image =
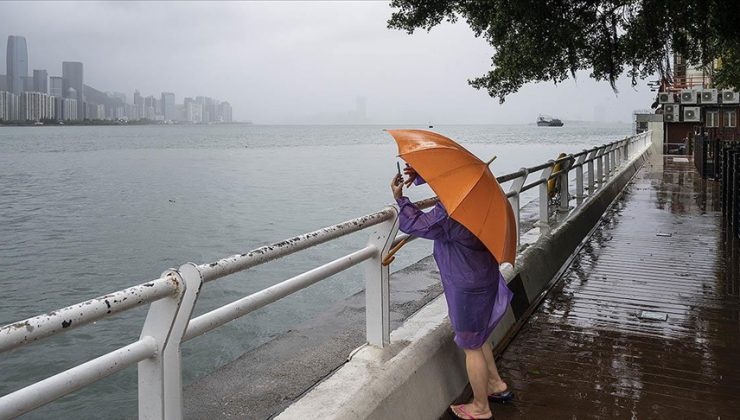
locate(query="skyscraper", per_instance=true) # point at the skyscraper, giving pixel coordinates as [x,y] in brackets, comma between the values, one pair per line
[138,105]
[168,106]
[17,63]
[56,86]
[40,81]
[73,78]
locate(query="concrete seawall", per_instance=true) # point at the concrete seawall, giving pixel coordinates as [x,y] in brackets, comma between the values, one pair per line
[422,371]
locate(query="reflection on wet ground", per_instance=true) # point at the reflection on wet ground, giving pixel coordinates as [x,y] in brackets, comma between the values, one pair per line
[645,322]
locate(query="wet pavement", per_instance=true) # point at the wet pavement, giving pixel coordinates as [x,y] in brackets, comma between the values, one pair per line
[645,322]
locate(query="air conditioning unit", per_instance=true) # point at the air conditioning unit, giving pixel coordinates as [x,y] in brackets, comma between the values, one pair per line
[709,96]
[671,117]
[730,97]
[689,96]
[670,109]
[691,114]
[666,98]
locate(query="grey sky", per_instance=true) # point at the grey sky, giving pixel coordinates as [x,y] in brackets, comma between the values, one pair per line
[285,62]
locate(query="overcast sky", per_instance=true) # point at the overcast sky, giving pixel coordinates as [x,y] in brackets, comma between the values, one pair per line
[303,62]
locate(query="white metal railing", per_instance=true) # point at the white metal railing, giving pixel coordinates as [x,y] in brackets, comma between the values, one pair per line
[172,297]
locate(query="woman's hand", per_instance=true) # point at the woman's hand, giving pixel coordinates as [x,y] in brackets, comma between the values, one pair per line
[397,186]
[411,174]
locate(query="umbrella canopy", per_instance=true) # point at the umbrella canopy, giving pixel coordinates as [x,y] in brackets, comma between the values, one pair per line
[465,186]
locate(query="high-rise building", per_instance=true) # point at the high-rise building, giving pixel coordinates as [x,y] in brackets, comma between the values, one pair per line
[138,106]
[150,108]
[27,84]
[224,111]
[37,106]
[17,63]
[40,81]
[168,106]
[10,105]
[3,85]
[66,109]
[72,74]
[56,86]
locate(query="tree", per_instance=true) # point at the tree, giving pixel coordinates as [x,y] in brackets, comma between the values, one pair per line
[549,40]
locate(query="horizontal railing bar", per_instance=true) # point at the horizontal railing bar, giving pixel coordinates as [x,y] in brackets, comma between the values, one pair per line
[41,326]
[53,387]
[241,307]
[532,185]
[554,175]
[541,166]
[427,202]
[239,262]
[564,159]
[511,176]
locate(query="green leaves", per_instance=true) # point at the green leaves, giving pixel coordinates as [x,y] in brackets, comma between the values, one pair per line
[550,40]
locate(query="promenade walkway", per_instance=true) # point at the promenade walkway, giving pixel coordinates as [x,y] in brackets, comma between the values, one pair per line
[645,323]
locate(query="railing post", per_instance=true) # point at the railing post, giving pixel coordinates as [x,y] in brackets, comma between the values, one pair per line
[516,187]
[600,166]
[627,144]
[607,162]
[579,177]
[564,192]
[377,286]
[591,180]
[544,222]
[615,157]
[627,150]
[160,377]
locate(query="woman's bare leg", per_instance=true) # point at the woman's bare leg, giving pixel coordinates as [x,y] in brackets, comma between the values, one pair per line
[477,367]
[495,383]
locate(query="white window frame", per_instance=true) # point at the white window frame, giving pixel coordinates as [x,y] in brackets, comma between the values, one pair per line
[712,118]
[730,118]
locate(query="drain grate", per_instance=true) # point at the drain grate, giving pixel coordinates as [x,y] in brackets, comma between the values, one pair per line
[653,316]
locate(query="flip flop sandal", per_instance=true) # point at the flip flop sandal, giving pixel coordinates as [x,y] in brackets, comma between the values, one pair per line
[467,415]
[501,397]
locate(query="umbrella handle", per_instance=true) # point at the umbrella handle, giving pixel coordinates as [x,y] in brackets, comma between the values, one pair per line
[389,258]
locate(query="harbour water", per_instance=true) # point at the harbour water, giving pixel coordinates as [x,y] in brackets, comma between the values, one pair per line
[89,210]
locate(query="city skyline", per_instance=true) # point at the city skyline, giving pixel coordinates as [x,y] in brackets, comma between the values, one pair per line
[27,98]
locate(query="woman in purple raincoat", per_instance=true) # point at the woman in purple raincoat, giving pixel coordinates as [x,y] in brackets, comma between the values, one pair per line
[475,290]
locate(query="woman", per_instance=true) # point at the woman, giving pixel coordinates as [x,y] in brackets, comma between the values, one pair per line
[475,290]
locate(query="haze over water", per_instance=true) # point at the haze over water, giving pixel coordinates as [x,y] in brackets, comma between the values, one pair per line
[90,210]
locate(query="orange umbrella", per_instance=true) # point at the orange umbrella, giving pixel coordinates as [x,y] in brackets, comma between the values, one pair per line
[465,186]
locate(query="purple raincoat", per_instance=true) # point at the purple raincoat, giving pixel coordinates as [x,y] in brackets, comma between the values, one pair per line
[476,292]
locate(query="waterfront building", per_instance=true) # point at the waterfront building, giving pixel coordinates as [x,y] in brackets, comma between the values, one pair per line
[224,111]
[17,64]
[138,106]
[3,86]
[94,111]
[40,81]
[56,86]
[36,106]
[150,108]
[73,78]
[692,107]
[193,111]
[168,106]
[9,106]
[66,109]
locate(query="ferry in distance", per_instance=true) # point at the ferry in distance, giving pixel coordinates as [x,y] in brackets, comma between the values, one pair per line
[547,121]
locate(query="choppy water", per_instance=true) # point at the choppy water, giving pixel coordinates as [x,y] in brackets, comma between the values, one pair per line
[89,210]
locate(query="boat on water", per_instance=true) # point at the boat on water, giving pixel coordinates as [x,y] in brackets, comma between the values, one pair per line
[548,121]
